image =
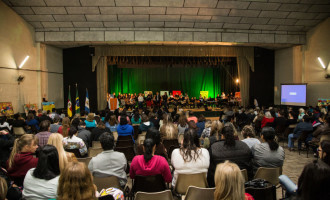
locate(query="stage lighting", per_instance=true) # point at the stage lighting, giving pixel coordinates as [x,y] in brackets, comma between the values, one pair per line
[321,62]
[26,58]
[237,80]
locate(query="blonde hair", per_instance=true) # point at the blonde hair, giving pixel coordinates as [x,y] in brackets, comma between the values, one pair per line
[229,182]
[56,140]
[76,183]
[216,128]
[19,144]
[208,123]
[169,131]
[3,188]
[65,125]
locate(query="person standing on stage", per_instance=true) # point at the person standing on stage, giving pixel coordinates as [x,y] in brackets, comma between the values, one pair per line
[165,97]
[140,100]
[157,98]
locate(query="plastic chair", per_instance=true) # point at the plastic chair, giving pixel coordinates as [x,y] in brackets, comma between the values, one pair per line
[85,160]
[128,151]
[18,131]
[267,193]
[164,195]
[185,180]
[106,182]
[96,144]
[92,152]
[197,193]
[269,174]
[148,184]
[245,175]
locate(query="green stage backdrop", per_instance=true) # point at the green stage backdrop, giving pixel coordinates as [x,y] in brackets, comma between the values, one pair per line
[189,80]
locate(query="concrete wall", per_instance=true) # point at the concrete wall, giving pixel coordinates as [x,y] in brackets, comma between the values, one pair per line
[17,41]
[299,64]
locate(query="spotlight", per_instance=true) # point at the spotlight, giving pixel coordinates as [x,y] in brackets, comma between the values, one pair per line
[26,58]
[321,62]
[237,80]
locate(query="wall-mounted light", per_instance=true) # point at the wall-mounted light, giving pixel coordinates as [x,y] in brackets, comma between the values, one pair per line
[237,80]
[21,65]
[321,62]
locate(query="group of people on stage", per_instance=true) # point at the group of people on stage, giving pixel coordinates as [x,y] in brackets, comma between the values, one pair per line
[131,100]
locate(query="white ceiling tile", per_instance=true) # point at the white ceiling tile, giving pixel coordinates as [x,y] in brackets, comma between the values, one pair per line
[179,24]
[319,8]
[132,2]
[27,2]
[149,10]
[96,18]
[97,2]
[57,24]
[88,24]
[237,26]
[160,18]
[226,19]
[116,10]
[83,10]
[233,4]
[282,21]
[294,7]
[182,11]
[149,24]
[49,10]
[133,18]
[301,15]
[194,18]
[212,11]
[118,24]
[200,3]
[264,27]
[38,18]
[254,20]
[264,6]
[169,3]
[70,18]
[244,13]
[208,25]
[275,14]
[62,2]
[23,10]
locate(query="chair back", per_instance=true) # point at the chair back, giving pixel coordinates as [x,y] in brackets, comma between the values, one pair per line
[96,144]
[125,143]
[149,183]
[245,175]
[267,193]
[164,195]
[126,137]
[92,152]
[128,151]
[304,135]
[197,193]
[185,180]
[76,152]
[269,174]
[85,160]
[115,135]
[18,131]
[169,143]
[106,182]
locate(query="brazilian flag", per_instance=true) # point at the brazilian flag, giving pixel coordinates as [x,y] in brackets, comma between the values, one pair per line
[77,102]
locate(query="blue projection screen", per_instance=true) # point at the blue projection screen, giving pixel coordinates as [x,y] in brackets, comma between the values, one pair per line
[293,95]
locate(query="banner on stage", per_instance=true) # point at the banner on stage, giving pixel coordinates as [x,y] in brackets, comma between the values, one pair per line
[146,93]
[176,92]
[114,104]
[162,93]
[48,106]
[204,94]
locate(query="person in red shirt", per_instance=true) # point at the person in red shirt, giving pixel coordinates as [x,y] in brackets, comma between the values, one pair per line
[21,158]
[268,118]
[150,164]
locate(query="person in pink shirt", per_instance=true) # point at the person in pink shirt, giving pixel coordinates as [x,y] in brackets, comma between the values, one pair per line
[190,116]
[150,164]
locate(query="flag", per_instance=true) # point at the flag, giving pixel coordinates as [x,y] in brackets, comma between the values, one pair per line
[69,105]
[87,102]
[77,102]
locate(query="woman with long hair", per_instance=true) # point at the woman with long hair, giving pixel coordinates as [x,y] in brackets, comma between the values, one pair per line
[229,183]
[64,129]
[182,124]
[41,182]
[3,188]
[76,183]
[268,153]
[73,142]
[215,133]
[150,164]
[190,158]
[168,130]
[249,136]
[112,123]
[32,122]
[21,158]
[64,157]
[324,151]
[136,119]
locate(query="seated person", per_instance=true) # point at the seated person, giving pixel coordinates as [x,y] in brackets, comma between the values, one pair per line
[124,129]
[249,134]
[43,135]
[268,153]
[229,149]
[73,142]
[168,131]
[6,143]
[97,131]
[41,182]
[215,133]
[150,164]
[18,121]
[201,125]
[268,118]
[112,124]
[145,124]
[190,158]
[154,134]
[90,121]
[109,162]
[136,119]
[304,125]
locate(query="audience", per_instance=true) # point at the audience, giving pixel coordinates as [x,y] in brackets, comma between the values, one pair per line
[109,162]
[189,158]
[145,124]
[248,134]
[168,130]
[136,119]
[41,182]
[182,124]
[73,142]
[97,131]
[18,121]
[324,151]
[154,120]
[304,125]
[32,122]
[76,183]
[267,119]
[124,129]
[55,125]
[6,142]
[3,189]
[4,125]
[43,135]
[84,134]
[215,132]
[90,121]
[64,157]
[21,158]
[64,129]
[207,130]
[112,124]
[150,164]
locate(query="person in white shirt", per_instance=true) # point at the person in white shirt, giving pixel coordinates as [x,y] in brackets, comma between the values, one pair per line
[41,182]
[249,134]
[73,142]
[189,158]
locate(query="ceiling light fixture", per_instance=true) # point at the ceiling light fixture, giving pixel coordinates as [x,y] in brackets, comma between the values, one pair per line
[21,65]
[321,62]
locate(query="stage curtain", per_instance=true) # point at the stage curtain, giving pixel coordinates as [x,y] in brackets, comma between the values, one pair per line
[102,82]
[244,77]
[188,79]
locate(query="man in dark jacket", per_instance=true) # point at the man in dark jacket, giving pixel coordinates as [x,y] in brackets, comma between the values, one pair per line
[303,126]
[84,134]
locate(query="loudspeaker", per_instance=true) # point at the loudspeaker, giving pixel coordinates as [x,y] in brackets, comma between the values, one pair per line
[91,51]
